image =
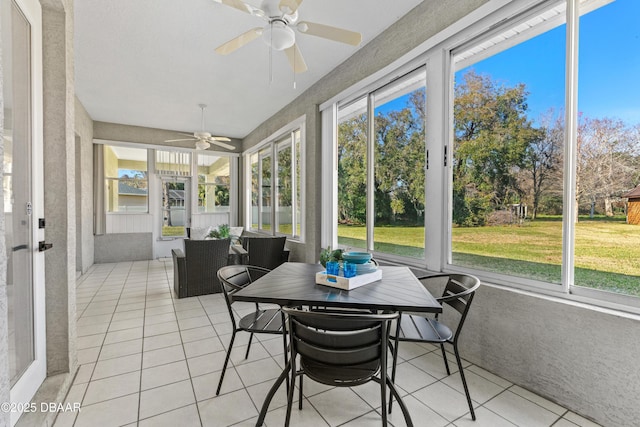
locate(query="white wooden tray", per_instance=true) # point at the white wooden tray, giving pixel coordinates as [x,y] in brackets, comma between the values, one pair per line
[341,282]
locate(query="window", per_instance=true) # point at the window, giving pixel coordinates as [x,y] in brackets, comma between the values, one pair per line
[175,206]
[508,133]
[288,190]
[607,224]
[352,174]
[503,203]
[381,203]
[126,179]
[276,174]
[174,170]
[214,181]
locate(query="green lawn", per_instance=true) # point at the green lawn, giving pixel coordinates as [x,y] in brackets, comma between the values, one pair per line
[606,254]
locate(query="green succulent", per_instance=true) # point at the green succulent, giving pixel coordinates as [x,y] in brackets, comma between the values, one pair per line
[327,255]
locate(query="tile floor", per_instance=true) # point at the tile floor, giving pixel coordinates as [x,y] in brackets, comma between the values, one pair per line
[149,359]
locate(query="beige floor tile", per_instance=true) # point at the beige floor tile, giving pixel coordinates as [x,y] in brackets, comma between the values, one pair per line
[114,412]
[162,356]
[206,363]
[196,334]
[187,416]
[125,348]
[203,346]
[124,335]
[164,374]
[160,329]
[448,402]
[205,386]
[117,366]
[484,418]
[227,409]
[161,341]
[259,371]
[339,405]
[520,411]
[112,387]
[166,398]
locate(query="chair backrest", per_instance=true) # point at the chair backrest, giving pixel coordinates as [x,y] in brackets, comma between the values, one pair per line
[338,342]
[458,293]
[236,277]
[264,252]
[203,258]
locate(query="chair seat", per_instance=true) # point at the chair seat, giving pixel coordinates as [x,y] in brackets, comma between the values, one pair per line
[267,321]
[347,376]
[418,328]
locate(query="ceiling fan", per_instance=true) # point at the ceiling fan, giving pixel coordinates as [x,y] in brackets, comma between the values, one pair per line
[204,139]
[282,18]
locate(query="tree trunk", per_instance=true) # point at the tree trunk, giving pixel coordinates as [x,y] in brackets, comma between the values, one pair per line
[608,206]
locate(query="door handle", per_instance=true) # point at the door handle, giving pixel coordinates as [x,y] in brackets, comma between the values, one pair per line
[42,246]
[19,247]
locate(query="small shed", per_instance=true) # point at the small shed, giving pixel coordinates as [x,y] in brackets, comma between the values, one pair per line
[633,206]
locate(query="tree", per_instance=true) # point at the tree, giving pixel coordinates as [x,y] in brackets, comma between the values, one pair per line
[543,161]
[607,161]
[352,174]
[492,135]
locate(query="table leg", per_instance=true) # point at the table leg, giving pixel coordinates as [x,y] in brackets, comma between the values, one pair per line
[267,400]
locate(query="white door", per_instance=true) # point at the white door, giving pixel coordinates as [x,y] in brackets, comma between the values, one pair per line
[23,197]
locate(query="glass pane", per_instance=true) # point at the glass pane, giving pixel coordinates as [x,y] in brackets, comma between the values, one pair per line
[607,246]
[213,183]
[174,203]
[125,170]
[16,66]
[298,178]
[284,190]
[352,174]
[508,139]
[265,194]
[255,190]
[399,167]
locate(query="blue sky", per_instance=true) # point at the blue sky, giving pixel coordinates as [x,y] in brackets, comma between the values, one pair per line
[609,66]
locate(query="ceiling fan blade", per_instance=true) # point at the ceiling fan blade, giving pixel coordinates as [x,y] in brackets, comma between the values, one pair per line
[180,140]
[239,41]
[295,59]
[289,7]
[221,144]
[237,4]
[220,138]
[332,33]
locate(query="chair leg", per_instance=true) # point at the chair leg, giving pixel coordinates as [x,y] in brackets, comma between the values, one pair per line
[444,356]
[403,407]
[246,356]
[290,394]
[226,361]
[464,382]
[383,398]
[300,393]
[394,347]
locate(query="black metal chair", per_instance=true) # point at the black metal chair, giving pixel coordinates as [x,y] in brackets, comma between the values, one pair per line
[458,294]
[340,349]
[194,270]
[267,321]
[266,252]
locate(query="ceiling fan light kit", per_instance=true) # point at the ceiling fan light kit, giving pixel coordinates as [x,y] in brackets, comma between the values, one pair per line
[279,34]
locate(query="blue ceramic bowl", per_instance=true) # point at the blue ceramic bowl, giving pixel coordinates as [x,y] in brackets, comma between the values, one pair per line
[356,257]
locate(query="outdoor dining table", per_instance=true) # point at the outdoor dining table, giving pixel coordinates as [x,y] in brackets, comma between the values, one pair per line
[293,284]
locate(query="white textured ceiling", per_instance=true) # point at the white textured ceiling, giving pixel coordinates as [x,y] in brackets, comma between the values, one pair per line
[150,62]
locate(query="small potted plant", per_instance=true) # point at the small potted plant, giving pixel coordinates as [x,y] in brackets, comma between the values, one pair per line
[327,255]
[222,232]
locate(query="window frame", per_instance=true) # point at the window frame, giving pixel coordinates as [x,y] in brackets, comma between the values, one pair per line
[269,148]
